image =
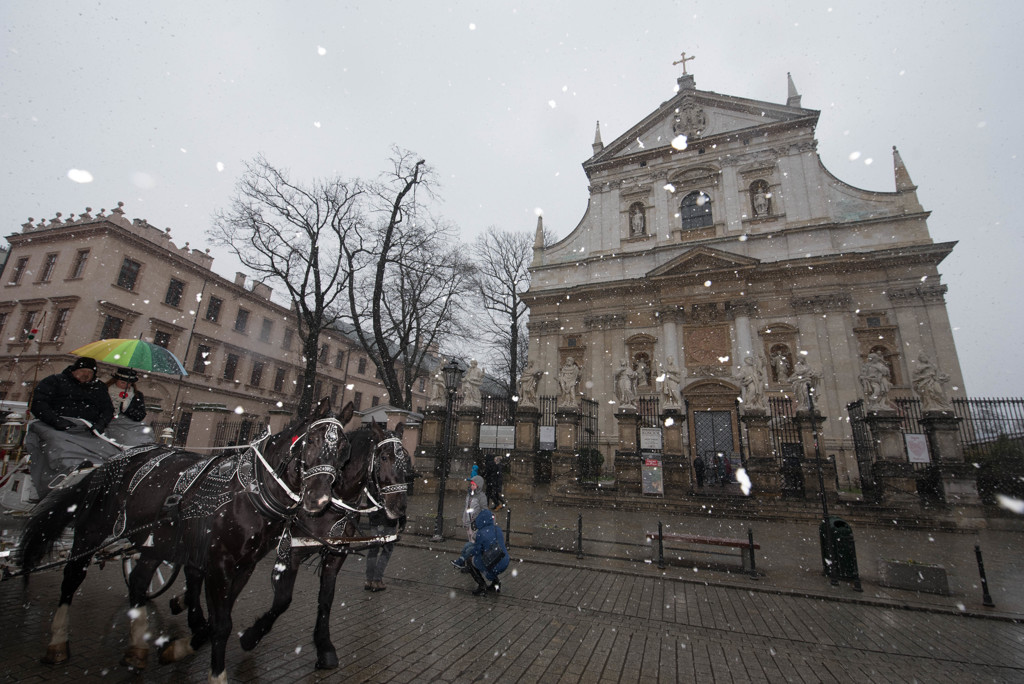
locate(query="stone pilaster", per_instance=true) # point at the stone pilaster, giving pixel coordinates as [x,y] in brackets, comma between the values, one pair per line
[807,425]
[959,479]
[521,468]
[895,477]
[563,459]
[762,461]
[676,469]
[627,456]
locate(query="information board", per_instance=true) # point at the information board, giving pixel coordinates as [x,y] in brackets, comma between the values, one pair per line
[497,436]
[652,479]
[650,439]
[917,448]
[547,437]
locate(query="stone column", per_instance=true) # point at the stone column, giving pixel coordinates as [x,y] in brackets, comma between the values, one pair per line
[807,423]
[762,461]
[627,456]
[959,479]
[675,465]
[563,459]
[894,476]
[520,480]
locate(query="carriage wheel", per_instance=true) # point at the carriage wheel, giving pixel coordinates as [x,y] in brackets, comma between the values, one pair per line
[162,580]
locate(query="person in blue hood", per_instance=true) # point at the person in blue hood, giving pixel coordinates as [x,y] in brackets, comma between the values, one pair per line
[489,557]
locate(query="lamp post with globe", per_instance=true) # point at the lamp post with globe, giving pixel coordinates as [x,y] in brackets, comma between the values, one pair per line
[451,373]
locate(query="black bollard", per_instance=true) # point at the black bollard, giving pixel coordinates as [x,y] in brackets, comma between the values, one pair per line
[579,536]
[986,598]
[508,528]
[661,548]
[750,540]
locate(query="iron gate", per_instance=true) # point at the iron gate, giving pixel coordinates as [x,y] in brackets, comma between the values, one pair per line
[864,448]
[789,448]
[712,435]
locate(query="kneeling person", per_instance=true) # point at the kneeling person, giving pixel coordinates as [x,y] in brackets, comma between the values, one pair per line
[489,557]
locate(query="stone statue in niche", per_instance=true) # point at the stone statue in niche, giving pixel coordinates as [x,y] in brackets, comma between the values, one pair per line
[753,384]
[637,220]
[875,381]
[625,385]
[643,372]
[928,381]
[761,199]
[780,364]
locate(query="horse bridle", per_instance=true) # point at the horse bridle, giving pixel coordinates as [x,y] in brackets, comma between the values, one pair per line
[268,505]
[371,469]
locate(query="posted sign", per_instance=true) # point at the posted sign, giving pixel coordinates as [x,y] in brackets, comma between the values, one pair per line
[651,477]
[547,437]
[917,448]
[650,439]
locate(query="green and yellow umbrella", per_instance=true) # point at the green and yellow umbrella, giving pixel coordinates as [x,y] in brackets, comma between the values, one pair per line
[138,354]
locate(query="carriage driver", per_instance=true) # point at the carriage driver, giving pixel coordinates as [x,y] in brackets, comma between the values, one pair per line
[56,443]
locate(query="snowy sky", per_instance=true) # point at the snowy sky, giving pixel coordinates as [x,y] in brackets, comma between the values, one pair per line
[161,103]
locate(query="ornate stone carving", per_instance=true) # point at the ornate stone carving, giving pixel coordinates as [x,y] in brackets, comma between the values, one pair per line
[542,327]
[604,321]
[932,294]
[690,119]
[837,301]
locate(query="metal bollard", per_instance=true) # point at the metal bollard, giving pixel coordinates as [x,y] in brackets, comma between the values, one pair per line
[579,536]
[986,598]
[750,540]
[661,549]
[508,528]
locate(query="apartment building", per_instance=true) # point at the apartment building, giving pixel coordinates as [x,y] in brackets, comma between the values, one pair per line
[71,281]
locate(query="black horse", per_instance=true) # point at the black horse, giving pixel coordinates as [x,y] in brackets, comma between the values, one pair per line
[219,516]
[332,534]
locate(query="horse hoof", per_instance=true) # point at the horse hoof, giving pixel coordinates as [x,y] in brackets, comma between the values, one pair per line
[248,640]
[175,651]
[136,658]
[57,654]
[327,660]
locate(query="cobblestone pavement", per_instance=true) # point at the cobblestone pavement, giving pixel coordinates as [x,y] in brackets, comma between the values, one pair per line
[553,622]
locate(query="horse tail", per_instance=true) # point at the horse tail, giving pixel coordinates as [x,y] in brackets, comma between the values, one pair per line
[58,509]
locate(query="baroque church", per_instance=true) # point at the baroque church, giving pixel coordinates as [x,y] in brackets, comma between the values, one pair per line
[717,250]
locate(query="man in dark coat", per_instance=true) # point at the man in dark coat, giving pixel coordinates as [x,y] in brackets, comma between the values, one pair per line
[57,445]
[73,393]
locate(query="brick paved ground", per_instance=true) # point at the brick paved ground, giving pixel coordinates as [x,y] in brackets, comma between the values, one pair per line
[552,623]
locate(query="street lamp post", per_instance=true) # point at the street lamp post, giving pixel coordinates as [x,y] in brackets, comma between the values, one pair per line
[451,373]
[830,541]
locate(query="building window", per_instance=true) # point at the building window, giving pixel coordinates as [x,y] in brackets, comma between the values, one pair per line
[334,395]
[201,359]
[129,274]
[357,400]
[48,266]
[257,374]
[695,211]
[289,337]
[323,353]
[423,384]
[60,323]
[339,359]
[79,266]
[3,320]
[230,366]
[175,289]
[242,320]
[374,401]
[111,328]
[318,390]
[19,271]
[760,198]
[29,324]
[362,366]
[162,339]
[213,309]
[268,325]
[279,380]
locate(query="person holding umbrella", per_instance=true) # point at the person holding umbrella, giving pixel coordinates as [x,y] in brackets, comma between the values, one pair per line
[129,410]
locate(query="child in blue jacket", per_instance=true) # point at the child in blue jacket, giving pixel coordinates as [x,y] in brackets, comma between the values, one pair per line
[489,557]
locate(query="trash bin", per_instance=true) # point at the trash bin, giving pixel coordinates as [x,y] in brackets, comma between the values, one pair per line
[843,552]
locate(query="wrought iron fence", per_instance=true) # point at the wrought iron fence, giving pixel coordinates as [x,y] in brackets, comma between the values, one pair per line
[789,448]
[238,432]
[588,455]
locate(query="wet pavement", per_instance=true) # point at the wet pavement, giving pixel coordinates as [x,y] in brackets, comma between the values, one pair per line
[609,616]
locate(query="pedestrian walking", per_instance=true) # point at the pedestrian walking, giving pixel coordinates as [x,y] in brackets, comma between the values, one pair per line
[476,501]
[494,480]
[698,470]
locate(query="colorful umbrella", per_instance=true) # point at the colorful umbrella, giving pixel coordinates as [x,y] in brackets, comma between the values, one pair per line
[138,354]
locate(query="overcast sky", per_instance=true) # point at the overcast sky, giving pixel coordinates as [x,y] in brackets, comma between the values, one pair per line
[161,103]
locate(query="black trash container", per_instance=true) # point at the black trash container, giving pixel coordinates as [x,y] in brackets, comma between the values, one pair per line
[843,552]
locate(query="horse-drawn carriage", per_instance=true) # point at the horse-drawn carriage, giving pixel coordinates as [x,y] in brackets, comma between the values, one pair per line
[215,518]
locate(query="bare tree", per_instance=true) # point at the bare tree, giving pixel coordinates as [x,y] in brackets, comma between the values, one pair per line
[408,278]
[293,235]
[502,260]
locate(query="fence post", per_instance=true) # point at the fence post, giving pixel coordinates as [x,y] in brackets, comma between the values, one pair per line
[986,598]
[750,539]
[661,549]
[508,528]
[579,536]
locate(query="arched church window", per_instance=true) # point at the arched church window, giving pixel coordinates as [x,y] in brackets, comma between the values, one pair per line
[637,219]
[695,211]
[760,198]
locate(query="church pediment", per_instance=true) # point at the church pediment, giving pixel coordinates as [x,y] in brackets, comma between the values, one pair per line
[698,115]
[702,260]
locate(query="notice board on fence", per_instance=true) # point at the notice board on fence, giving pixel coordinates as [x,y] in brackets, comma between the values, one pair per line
[652,479]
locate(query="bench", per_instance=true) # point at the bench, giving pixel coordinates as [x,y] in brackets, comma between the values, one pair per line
[746,546]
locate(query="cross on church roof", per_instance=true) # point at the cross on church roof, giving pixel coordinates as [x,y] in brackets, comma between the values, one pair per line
[683,59]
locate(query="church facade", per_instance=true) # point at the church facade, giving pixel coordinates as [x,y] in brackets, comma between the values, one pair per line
[720,267]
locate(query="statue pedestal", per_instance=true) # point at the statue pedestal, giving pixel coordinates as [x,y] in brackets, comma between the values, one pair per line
[894,476]
[675,467]
[809,424]
[762,462]
[563,459]
[522,465]
[959,479]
